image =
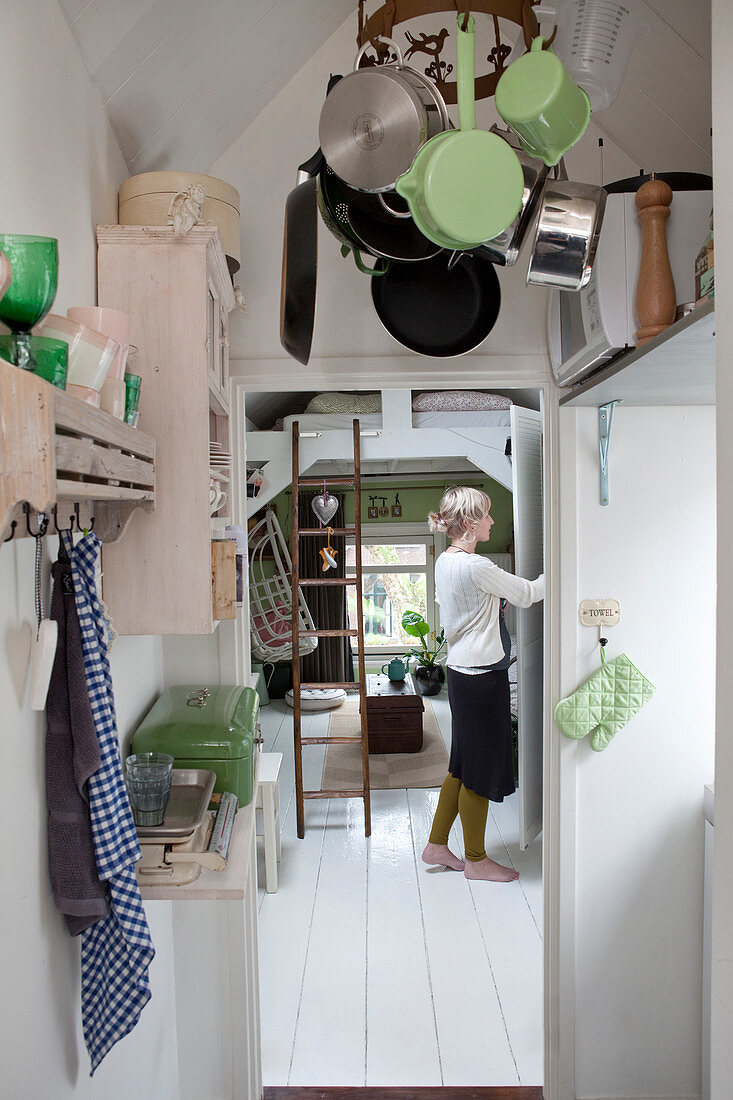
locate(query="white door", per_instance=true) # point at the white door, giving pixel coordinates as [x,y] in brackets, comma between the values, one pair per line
[528,562]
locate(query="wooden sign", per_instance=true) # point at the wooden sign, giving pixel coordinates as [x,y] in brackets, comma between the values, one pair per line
[600,612]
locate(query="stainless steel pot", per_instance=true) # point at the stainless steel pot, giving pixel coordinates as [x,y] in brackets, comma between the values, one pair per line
[504,249]
[374,121]
[566,236]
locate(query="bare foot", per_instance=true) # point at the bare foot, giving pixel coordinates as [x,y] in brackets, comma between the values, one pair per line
[440,855]
[490,871]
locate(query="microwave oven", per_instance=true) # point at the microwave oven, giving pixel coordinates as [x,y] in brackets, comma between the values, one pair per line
[587,328]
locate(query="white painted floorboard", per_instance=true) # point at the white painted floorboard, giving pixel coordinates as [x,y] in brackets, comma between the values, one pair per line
[376,970]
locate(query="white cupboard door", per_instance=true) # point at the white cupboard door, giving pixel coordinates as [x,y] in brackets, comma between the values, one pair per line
[528,559]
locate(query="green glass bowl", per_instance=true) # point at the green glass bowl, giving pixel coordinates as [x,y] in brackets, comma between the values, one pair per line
[40,354]
[35,264]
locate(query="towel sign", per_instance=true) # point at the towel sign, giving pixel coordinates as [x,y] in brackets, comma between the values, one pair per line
[600,612]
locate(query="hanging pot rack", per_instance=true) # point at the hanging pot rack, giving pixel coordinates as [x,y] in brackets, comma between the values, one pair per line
[394,12]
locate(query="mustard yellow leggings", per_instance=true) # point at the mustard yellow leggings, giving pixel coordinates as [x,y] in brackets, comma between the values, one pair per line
[473,808]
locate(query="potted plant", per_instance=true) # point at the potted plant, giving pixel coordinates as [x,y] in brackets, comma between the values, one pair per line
[429,675]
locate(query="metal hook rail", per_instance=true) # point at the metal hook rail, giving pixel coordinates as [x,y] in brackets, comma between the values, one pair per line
[44,522]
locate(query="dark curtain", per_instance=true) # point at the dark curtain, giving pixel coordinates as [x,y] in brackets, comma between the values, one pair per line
[331,660]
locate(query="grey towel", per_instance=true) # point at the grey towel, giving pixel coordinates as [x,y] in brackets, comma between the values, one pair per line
[72,755]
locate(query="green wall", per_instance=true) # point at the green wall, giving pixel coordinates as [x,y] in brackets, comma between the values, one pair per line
[417,499]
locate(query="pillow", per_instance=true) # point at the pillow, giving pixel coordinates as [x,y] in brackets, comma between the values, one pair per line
[458,401]
[318,698]
[345,403]
[273,627]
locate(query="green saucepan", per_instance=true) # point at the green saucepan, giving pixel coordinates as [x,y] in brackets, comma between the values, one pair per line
[465,186]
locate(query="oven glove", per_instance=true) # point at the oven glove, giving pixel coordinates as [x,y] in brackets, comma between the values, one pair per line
[604,703]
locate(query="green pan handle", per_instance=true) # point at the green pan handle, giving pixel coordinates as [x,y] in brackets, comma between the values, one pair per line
[380,268]
[465,74]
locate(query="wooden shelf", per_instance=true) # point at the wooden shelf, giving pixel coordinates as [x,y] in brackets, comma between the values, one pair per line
[56,450]
[229,884]
[675,368]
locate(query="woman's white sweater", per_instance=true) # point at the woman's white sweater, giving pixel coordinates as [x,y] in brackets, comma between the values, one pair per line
[468,588]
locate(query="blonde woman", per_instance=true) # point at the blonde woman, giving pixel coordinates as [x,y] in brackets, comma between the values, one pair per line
[471,591]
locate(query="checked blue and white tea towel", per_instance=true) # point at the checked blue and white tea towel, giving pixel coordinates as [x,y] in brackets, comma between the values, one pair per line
[116,951]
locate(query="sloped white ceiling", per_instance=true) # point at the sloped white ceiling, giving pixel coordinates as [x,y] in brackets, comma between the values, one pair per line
[181,79]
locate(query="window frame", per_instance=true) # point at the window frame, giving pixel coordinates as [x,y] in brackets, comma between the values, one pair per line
[380,534]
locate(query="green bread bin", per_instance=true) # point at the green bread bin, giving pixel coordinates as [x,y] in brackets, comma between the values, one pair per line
[206,727]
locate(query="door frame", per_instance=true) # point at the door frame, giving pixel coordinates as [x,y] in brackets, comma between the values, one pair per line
[558,838]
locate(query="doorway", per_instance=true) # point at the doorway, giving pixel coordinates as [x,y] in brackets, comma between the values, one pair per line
[403,1007]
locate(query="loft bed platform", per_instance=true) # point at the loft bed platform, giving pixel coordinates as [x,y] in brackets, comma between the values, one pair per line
[386,437]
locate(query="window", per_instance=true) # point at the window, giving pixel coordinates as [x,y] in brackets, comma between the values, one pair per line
[397,576]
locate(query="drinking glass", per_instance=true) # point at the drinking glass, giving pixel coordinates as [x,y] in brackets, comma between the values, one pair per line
[148,776]
[48,359]
[35,264]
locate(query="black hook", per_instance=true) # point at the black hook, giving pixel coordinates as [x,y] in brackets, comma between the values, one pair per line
[11,536]
[62,530]
[42,522]
[78,521]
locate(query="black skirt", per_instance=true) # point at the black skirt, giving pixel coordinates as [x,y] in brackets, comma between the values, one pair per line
[481,733]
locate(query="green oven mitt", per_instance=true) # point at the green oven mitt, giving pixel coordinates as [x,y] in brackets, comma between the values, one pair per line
[604,703]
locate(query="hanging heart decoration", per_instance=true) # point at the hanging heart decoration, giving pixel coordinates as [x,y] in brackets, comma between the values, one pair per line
[325,506]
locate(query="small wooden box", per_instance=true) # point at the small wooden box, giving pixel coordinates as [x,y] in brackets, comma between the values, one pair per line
[394,715]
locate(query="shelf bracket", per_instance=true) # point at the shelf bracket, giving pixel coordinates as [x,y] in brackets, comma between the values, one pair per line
[605,420]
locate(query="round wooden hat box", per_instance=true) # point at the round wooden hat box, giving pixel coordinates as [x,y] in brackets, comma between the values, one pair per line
[145,200]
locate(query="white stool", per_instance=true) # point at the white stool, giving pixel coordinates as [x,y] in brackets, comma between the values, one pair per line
[268,800]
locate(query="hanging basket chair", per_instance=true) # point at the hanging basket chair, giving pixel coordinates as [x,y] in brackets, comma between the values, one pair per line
[270,595]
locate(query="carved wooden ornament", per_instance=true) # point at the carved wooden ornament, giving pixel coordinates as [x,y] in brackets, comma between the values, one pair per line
[394,12]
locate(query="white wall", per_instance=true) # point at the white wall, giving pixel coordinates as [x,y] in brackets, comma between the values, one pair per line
[639,803]
[59,176]
[722,945]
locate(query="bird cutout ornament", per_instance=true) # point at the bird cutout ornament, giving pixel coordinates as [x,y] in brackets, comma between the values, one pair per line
[328,553]
[325,506]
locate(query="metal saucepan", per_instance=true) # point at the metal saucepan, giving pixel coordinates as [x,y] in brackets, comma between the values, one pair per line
[437,310]
[463,187]
[566,235]
[505,248]
[375,119]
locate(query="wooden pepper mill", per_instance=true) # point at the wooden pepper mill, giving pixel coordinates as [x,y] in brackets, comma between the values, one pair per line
[656,299]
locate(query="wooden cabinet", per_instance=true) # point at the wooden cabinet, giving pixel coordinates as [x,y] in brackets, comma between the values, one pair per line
[179,294]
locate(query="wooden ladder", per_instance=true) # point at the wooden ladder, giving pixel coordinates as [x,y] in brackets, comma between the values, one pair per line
[298,740]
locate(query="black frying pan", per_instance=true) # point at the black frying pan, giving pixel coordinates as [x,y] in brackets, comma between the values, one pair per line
[438,310]
[300,264]
[300,259]
[678,181]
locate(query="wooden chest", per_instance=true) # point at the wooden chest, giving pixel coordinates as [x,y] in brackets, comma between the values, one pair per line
[394,715]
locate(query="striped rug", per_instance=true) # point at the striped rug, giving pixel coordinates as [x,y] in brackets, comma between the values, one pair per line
[396,771]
